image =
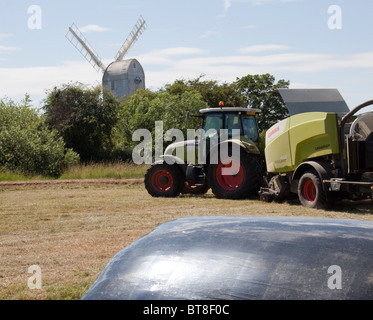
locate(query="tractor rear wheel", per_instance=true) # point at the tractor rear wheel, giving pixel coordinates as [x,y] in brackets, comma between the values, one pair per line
[241,179]
[310,191]
[163,180]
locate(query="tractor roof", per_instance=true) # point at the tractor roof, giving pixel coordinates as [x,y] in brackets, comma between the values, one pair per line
[227,109]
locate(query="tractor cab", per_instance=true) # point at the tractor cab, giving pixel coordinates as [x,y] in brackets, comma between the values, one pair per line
[244,120]
[219,125]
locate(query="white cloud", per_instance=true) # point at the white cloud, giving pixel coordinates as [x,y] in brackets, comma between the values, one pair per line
[165,69]
[261,2]
[167,56]
[4,36]
[35,80]
[250,26]
[262,48]
[4,49]
[167,65]
[93,28]
[209,33]
[227,5]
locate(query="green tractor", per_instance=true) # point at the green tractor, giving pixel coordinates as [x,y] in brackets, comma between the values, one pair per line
[323,152]
[226,157]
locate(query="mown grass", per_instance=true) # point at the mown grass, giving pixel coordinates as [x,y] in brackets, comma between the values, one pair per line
[72,230]
[116,170]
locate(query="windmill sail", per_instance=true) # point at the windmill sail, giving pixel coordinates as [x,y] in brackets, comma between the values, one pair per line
[80,42]
[136,32]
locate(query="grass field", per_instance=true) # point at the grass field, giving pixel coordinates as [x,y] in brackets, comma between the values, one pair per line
[72,228]
[116,170]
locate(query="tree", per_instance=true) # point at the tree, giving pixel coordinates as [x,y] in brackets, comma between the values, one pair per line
[84,118]
[26,144]
[261,92]
[211,91]
[142,109]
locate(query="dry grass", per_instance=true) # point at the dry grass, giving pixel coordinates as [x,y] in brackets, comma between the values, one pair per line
[72,229]
[116,170]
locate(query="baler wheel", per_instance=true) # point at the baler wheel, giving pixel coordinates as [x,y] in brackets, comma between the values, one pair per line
[310,191]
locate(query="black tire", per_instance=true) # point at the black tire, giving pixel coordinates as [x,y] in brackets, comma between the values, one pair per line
[310,191]
[245,183]
[163,180]
[192,189]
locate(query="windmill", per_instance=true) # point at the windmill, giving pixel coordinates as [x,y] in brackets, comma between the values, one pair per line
[122,77]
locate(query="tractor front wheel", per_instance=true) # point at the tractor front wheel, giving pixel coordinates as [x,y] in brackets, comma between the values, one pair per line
[163,180]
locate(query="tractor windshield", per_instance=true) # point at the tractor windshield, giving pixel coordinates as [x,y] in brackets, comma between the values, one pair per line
[213,123]
[247,125]
[250,128]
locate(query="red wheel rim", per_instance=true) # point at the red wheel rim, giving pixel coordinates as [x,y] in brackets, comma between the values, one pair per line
[162,180]
[232,180]
[309,191]
[190,185]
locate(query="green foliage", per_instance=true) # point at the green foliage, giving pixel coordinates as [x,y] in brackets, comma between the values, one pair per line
[93,124]
[261,92]
[211,91]
[170,104]
[84,118]
[27,146]
[144,108]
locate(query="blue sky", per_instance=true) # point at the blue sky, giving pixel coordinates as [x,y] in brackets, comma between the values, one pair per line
[223,39]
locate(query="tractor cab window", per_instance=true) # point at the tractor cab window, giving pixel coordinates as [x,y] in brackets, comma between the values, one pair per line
[250,128]
[213,123]
[232,122]
[247,125]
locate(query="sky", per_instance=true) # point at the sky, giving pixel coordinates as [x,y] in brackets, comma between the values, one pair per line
[311,43]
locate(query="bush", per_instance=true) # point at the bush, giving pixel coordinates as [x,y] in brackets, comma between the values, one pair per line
[84,118]
[27,146]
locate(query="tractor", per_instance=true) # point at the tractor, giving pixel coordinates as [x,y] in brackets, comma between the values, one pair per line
[323,152]
[195,166]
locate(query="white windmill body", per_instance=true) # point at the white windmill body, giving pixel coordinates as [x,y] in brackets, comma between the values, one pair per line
[122,77]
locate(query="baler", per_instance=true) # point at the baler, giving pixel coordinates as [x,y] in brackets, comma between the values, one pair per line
[321,156]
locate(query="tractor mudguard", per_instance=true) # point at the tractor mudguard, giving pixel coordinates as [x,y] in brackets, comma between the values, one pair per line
[172,160]
[243,147]
[323,169]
